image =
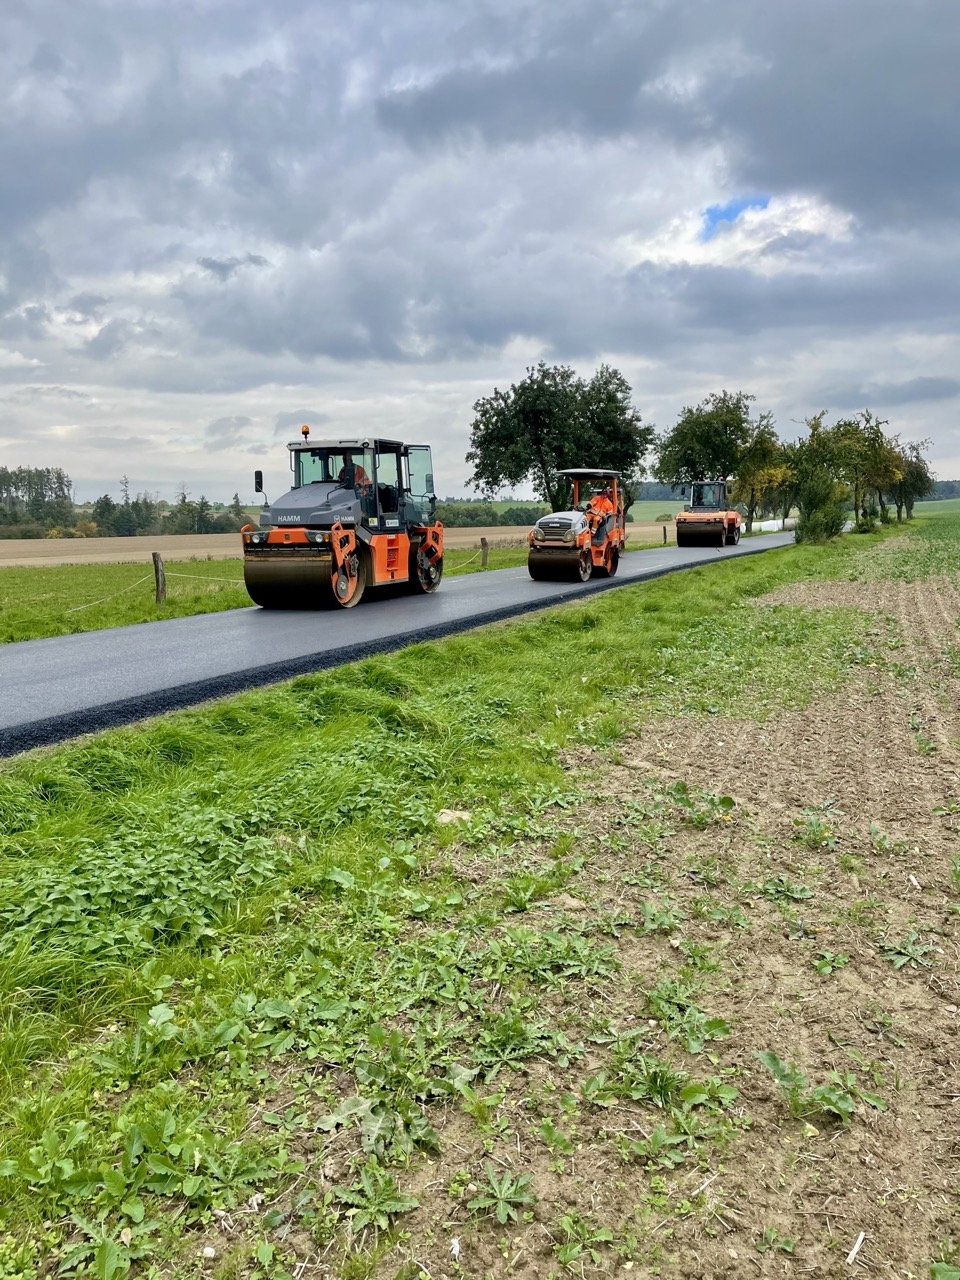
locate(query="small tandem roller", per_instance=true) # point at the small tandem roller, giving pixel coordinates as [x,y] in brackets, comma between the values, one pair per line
[586,541]
[708,521]
[361,514]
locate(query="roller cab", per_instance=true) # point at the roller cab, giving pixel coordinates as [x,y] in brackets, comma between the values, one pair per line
[588,540]
[708,519]
[361,514]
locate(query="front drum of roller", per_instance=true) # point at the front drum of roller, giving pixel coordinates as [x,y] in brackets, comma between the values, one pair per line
[304,583]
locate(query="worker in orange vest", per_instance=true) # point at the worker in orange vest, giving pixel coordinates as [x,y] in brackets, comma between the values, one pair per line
[352,474]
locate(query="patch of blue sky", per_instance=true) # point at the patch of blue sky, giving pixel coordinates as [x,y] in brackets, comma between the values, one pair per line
[716,214]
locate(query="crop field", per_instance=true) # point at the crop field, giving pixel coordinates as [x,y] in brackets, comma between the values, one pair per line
[618,941]
[938,507]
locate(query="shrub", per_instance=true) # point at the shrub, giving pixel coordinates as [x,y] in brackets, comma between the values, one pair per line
[822,513]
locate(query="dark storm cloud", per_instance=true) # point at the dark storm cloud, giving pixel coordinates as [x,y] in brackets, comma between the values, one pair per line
[30,321]
[109,340]
[286,422]
[226,433]
[223,426]
[858,103]
[224,268]
[87,306]
[913,391]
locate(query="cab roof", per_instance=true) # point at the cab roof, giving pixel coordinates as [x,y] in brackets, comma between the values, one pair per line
[589,473]
[341,445]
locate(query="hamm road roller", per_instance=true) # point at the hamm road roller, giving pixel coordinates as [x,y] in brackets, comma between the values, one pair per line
[707,520]
[361,514]
[586,541]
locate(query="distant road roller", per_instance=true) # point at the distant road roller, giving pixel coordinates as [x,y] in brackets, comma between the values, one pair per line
[586,541]
[361,514]
[708,520]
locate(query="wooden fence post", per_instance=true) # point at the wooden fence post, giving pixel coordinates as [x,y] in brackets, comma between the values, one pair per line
[160,576]
[664,535]
[484,552]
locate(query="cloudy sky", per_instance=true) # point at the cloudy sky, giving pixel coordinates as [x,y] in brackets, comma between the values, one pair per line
[221,218]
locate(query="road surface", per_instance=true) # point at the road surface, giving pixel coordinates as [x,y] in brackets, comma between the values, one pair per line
[54,689]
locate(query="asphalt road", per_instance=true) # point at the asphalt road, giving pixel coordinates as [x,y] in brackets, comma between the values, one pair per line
[54,689]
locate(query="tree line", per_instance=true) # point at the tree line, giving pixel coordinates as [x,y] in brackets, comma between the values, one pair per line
[38,502]
[554,419]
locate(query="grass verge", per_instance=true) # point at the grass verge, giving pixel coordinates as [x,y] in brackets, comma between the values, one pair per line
[61,600]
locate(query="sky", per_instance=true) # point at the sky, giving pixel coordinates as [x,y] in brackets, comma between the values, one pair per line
[220,219]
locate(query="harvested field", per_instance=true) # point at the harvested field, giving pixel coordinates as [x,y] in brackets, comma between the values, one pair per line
[638,962]
[226,546]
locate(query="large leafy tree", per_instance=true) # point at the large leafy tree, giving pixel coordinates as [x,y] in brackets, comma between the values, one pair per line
[551,420]
[708,441]
[761,467]
[916,479]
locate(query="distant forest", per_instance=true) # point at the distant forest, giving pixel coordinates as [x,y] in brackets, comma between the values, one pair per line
[37,502]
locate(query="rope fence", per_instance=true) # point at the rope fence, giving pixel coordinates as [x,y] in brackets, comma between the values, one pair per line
[104,600]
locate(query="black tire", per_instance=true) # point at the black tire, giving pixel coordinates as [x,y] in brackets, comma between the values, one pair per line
[609,568]
[733,538]
[424,576]
[340,583]
[583,567]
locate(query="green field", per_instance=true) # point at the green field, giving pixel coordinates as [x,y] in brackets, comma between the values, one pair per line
[940,507]
[59,600]
[457,945]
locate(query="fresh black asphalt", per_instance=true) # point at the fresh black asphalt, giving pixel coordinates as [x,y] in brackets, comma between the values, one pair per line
[54,689]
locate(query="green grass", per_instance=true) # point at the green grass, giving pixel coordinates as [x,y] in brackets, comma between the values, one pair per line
[933,550]
[936,507]
[63,599]
[649,508]
[237,934]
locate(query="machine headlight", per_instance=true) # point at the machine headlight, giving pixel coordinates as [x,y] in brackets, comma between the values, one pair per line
[569,536]
[538,534]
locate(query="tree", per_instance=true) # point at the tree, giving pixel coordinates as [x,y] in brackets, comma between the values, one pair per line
[104,513]
[760,468]
[553,420]
[916,479]
[822,502]
[204,515]
[528,513]
[708,441]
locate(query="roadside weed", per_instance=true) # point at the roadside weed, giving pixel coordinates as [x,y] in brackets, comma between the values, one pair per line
[909,951]
[582,1239]
[373,1200]
[501,1195]
[827,962]
[838,1098]
[672,1003]
[771,1241]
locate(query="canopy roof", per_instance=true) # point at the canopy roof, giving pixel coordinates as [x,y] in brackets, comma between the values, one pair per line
[308,442]
[589,473]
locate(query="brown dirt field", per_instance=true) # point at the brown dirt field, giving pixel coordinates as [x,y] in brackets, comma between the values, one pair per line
[226,546]
[841,844]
